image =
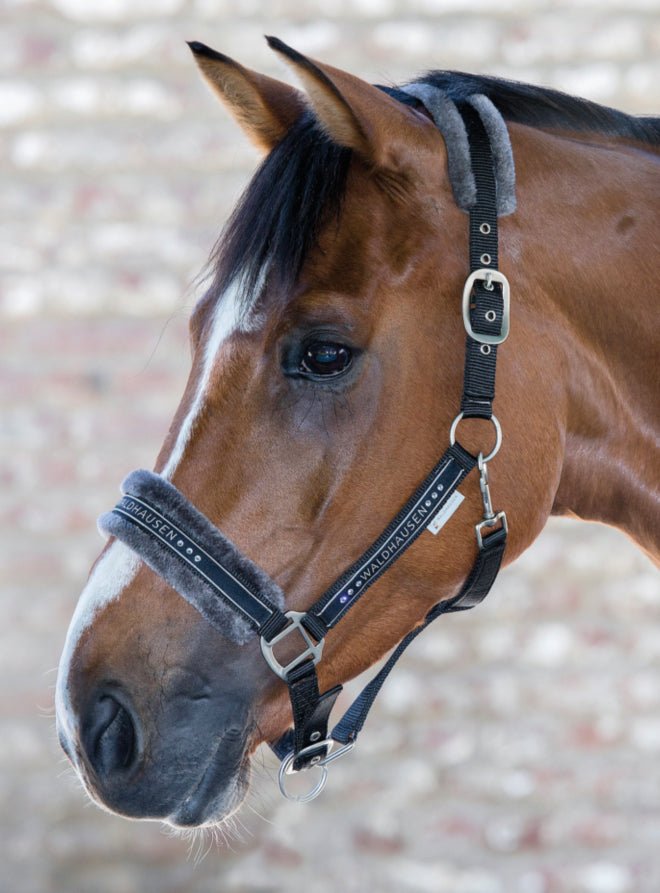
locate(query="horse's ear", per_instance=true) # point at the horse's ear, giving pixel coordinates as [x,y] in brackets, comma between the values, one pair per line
[264,108]
[356,114]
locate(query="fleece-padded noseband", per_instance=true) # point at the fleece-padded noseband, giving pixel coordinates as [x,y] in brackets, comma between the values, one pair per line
[152,514]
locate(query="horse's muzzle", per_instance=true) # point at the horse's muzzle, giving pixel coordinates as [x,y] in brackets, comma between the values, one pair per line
[184,762]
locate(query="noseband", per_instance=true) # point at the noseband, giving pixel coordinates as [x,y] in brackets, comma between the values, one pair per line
[188,551]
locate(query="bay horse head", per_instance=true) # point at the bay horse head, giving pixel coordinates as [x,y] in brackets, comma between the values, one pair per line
[327,368]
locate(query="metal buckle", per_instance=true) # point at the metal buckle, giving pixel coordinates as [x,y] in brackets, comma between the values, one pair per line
[490,522]
[498,435]
[313,650]
[322,763]
[488,277]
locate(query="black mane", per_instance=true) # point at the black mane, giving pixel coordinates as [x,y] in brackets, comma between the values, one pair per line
[301,183]
[545,108]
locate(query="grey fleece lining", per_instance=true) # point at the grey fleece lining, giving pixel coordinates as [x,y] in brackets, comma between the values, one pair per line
[167,499]
[449,122]
[500,143]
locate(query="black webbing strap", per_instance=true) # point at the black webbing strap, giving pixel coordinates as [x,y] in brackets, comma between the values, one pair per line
[311,713]
[480,360]
[474,591]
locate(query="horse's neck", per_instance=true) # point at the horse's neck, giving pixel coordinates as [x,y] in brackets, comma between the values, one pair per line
[595,204]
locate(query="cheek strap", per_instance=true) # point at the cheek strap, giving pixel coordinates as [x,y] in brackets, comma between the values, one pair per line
[181,545]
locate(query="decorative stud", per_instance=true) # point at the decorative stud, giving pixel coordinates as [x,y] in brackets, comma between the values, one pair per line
[180,543]
[198,558]
[189,551]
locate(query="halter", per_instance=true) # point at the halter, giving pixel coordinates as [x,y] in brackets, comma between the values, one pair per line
[160,524]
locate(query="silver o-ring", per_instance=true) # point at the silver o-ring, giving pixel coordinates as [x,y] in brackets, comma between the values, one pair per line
[486,259]
[498,435]
[485,229]
[286,769]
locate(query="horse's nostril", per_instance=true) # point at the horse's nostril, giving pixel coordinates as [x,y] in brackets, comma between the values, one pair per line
[110,737]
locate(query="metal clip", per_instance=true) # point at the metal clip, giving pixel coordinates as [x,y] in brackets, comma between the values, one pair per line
[322,763]
[491,518]
[489,514]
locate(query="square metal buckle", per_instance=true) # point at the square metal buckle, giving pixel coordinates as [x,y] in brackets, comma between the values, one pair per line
[497,520]
[312,649]
[487,276]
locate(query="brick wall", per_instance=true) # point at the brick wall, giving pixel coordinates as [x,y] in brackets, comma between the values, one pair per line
[118,169]
[534,766]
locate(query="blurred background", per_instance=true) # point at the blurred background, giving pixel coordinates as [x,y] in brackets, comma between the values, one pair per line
[531,762]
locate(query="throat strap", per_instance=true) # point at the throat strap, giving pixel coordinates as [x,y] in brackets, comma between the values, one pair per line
[474,591]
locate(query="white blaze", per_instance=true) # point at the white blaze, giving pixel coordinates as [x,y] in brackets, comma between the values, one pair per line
[226,319]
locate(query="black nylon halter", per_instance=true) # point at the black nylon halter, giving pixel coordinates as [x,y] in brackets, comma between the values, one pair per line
[485,313]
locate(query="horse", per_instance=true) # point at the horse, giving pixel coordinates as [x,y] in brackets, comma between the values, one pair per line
[328,359]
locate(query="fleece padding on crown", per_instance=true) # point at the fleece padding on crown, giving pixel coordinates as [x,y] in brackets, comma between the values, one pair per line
[449,122]
[500,144]
[165,498]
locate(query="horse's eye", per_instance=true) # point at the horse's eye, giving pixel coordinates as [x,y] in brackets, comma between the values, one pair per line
[325,358]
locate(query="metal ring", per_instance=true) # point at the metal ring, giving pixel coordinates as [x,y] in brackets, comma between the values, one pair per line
[286,769]
[312,650]
[485,229]
[485,259]
[498,435]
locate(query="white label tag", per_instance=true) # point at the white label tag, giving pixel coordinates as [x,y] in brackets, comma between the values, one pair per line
[445,512]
